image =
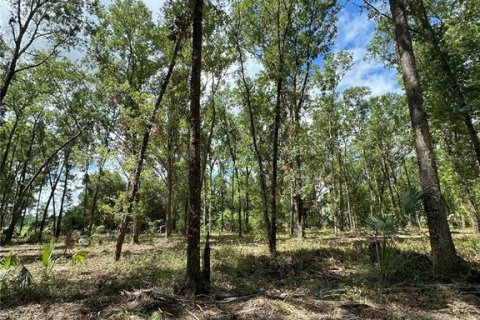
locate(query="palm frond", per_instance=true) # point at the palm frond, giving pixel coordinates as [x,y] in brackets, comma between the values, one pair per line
[411,200]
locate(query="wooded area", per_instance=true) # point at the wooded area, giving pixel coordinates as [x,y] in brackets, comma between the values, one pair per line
[207,161]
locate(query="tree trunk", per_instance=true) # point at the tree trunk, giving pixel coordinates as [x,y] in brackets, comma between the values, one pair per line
[211,195]
[38,207]
[444,256]
[194,282]
[24,212]
[45,211]
[168,215]
[451,78]
[86,179]
[247,200]
[133,196]
[258,155]
[64,194]
[93,207]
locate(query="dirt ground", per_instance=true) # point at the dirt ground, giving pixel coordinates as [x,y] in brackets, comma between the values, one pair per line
[322,277]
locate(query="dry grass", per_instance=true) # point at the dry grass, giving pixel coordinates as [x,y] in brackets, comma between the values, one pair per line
[321,277]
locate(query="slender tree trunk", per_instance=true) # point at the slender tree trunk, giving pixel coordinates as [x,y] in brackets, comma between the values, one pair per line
[451,77]
[93,207]
[64,194]
[54,208]
[194,282]
[222,196]
[298,182]
[211,195]
[239,212]
[272,241]
[133,196]
[24,212]
[258,155]
[168,215]
[205,195]
[292,210]
[247,200]
[47,205]
[444,256]
[38,207]
[86,180]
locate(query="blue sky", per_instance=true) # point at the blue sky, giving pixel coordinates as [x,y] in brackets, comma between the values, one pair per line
[355,31]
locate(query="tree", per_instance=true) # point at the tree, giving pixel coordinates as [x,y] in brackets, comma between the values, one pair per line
[55,22]
[194,282]
[444,256]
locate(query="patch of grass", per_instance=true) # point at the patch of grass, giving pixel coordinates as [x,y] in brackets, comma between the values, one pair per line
[321,267]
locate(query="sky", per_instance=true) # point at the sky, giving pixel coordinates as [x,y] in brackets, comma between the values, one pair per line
[355,31]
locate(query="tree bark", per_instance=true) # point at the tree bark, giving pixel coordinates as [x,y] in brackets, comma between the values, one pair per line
[64,194]
[194,282]
[247,199]
[444,256]
[168,214]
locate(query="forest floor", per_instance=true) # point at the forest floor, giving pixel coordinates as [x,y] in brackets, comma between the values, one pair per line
[322,277]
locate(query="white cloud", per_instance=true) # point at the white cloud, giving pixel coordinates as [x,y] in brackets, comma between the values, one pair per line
[154,5]
[355,31]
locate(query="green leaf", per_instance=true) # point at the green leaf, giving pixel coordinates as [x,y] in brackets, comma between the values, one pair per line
[79,256]
[9,261]
[47,254]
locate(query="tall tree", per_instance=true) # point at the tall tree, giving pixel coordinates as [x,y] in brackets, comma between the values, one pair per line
[444,256]
[194,282]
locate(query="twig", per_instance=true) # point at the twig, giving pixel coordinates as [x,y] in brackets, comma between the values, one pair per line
[193,315]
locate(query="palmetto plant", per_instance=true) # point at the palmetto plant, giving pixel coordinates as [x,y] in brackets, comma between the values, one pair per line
[79,256]
[384,226]
[383,246]
[411,200]
[7,266]
[9,261]
[24,277]
[47,257]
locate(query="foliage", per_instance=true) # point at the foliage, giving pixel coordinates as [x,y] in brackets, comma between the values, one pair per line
[24,277]
[411,200]
[9,261]
[9,266]
[383,245]
[47,258]
[79,257]
[383,226]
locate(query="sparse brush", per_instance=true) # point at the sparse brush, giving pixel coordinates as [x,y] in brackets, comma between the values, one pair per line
[47,258]
[7,267]
[79,257]
[24,277]
[8,262]
[383,249]
[70,241]
[382,225]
